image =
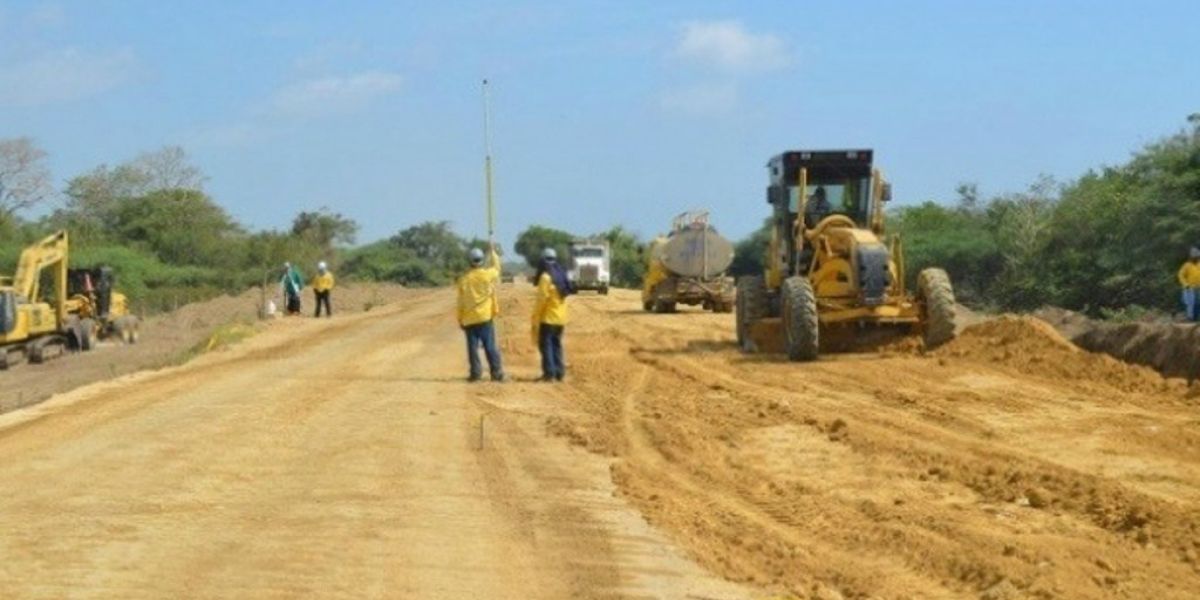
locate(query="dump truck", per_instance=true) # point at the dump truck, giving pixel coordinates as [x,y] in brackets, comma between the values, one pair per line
[71,313]
[688,266]
[833,277]
[589,264]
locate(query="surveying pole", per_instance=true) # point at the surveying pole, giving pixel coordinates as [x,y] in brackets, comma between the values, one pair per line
[487,167]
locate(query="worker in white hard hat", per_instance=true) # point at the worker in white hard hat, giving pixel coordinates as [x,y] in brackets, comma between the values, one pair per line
[477,310]
[322,285]
[550,315]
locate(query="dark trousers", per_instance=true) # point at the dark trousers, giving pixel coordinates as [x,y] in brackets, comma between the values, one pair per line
[551,346]
[323,299]
[483,334]
[293,303]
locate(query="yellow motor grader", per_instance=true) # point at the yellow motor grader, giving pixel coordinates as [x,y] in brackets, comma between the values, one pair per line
[831,281]
[47,308]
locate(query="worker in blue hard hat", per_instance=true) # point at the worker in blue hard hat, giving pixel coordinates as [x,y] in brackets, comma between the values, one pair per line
[477,310]
[550,315]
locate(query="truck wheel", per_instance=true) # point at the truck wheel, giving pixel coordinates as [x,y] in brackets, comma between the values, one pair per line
[604,291]
[937,307]
[663,306]
[800,323]
[648,306]
[751,304]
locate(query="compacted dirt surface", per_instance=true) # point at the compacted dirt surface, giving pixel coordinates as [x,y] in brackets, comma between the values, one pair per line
[348,458]
[166,339]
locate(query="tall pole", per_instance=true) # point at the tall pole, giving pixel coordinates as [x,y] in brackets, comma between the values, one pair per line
[487,166]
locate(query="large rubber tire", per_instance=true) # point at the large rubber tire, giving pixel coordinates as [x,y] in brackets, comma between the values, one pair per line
[751,306]
[648,306]
[937,301]
[801,327]
[87,334]
[604,291]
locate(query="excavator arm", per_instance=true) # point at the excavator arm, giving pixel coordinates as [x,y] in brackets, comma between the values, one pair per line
[49,253]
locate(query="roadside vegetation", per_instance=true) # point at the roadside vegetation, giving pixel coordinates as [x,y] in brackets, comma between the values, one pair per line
[1108,243]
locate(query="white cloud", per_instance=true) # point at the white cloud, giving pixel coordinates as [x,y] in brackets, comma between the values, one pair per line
[64,75]
[727,45]
[334,95]
[700,99]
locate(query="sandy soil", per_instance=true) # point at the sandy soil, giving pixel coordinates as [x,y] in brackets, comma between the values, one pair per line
[165,340]
[344,459]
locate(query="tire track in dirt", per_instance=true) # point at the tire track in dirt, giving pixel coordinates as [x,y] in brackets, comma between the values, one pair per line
[922,462]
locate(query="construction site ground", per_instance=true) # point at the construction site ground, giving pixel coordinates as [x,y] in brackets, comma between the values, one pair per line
[348,458]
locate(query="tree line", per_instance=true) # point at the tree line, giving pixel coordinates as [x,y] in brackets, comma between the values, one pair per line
[1107,242]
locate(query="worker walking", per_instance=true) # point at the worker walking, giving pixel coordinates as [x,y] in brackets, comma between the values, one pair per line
[1189,279]
[291,283]
[323,284]
[550,315]
[477,310]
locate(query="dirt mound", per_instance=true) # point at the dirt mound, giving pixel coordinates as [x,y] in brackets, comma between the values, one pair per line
[1034,347]
[1172,349]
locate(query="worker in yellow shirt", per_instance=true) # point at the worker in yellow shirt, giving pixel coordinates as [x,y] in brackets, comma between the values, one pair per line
[477,310]
[1189,279]
[550,315]
[322,284]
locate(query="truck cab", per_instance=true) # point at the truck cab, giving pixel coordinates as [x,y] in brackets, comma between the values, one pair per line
[589,265]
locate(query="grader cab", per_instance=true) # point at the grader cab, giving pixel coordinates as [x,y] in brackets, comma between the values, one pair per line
[831,280]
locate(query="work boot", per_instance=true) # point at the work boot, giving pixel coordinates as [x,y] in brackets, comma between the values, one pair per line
[473,378]
[499,378]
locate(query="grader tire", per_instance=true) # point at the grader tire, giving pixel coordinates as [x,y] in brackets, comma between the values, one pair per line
[800,323]
[751,305]
[937,298]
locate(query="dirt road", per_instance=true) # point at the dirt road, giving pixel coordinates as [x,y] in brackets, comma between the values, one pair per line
[335,459]
[344,459]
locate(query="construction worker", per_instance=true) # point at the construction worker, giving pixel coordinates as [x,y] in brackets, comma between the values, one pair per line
[550,315]
[817,208]
[291,283]
[1189,279]
[322,284]
[477,309]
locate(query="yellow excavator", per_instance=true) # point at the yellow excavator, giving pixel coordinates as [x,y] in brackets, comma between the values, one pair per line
[47,308]
[831,281]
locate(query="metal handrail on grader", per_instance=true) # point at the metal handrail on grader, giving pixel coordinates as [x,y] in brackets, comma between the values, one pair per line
[830,280]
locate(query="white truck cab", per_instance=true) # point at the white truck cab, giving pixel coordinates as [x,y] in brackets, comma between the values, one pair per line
[590,265]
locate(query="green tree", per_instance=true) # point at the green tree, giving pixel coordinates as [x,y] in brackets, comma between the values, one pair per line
[324,229]
[750,253]
[536,238]
[626,263]
[183,227]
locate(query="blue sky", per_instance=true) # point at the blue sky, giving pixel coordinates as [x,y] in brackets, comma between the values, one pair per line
[603,112]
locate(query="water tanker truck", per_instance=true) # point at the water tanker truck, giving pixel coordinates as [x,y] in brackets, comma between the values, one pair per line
[688,266]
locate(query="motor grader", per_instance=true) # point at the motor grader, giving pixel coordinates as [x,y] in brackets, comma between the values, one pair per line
[832,279]
[82,306]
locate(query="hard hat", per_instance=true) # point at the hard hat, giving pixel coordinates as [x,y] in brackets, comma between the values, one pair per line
[476,256]
[549,254]
[321,266]
[287,265]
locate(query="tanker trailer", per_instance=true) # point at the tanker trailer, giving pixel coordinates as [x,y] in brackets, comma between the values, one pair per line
[688,266]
